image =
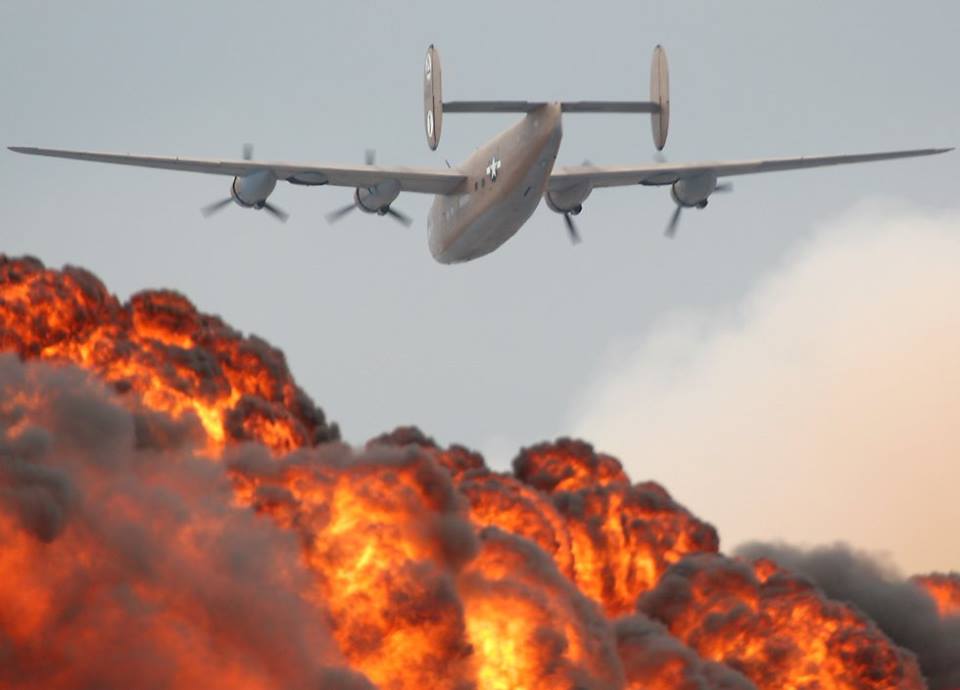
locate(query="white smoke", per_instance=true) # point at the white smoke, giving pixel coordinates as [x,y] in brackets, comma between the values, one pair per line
[823,406]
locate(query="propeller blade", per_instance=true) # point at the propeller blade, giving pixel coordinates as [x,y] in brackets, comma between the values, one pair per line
[724,187]
[674,219]
[401,217]
[659,157]
[369,156]
[571,228]
[210,209]
[248,152]
[334,216]
[277,213]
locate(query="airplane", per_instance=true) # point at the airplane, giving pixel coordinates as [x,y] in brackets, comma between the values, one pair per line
[482,203]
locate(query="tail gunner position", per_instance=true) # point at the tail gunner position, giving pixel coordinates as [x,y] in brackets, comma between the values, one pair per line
[482,203]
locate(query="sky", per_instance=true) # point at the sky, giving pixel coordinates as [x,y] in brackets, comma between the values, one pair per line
[527,343]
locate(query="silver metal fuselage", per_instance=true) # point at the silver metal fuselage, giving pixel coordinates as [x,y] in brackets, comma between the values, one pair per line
[506,179]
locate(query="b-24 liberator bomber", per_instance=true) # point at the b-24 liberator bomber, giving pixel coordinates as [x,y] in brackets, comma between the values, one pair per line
[484,201]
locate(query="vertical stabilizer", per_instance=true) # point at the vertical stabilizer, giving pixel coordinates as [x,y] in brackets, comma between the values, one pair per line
[432,97]
[660,94]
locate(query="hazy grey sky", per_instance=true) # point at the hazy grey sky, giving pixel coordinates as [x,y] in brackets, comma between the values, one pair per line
[497,352]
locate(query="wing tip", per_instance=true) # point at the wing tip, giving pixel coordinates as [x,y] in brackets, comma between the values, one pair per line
[935,151]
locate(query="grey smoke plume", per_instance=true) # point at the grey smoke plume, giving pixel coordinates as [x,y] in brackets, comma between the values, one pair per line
[900,608]
[125,562]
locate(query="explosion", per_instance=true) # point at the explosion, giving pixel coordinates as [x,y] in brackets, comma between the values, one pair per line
[172,358]
[176,513]
[945,590]
[774,627]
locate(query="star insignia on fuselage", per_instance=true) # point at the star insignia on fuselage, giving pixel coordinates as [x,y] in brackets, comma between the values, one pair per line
[494,168]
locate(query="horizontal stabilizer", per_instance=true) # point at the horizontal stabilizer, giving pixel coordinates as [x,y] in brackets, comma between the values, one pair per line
[490,106]
[609,107]
[565,106]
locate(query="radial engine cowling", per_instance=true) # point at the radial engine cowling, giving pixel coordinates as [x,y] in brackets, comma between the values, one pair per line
[694,191]
[569,200]
[377,199]
[251,191]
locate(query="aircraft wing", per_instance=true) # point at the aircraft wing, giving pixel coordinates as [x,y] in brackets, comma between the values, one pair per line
[668,173]
[427,181]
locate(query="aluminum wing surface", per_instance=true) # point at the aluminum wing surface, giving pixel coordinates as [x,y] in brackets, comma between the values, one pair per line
[425,181]
[668,173]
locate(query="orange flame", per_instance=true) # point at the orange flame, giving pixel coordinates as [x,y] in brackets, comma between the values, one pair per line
[175,359]
[944,588]
[623,537]
[418,566]
[776,628]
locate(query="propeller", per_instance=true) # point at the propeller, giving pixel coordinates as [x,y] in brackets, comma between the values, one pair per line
[369,158]
[399,216]
[571,227]
[221,204]
[572,231]
[276,212]
[671,229]
[339,213]
[210,209]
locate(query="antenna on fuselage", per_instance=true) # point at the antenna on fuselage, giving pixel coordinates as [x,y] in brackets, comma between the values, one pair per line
[658,106]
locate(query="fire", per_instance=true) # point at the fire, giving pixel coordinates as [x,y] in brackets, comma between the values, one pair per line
[623,536]
[379,532]
[124,564]
[173,358]
[944,588]
[776,628]
[129,559]
[612,538]
[529,625]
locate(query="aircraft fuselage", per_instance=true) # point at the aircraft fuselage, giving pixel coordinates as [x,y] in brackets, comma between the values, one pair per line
[506,179]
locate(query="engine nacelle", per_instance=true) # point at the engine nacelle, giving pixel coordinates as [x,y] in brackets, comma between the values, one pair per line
[251,191]
[693,192]
[569,200]
[377,199]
